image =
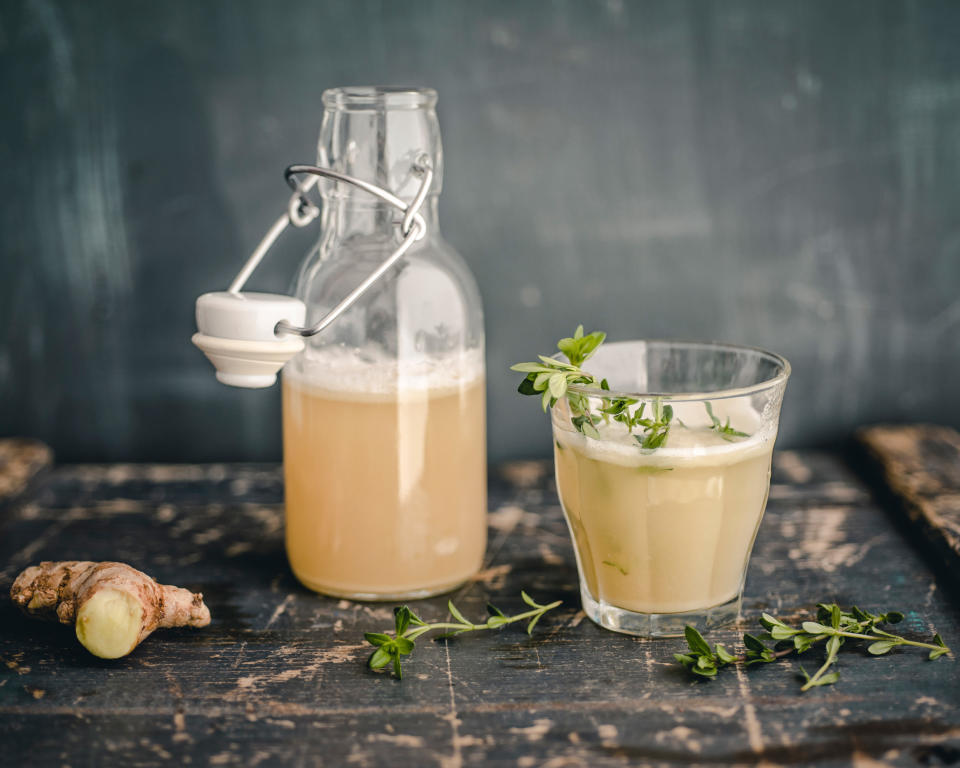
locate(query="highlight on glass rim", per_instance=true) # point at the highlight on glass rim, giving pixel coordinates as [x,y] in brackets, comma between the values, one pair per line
[493,384]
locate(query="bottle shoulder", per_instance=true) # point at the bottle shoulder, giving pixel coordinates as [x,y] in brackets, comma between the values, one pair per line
[429,300]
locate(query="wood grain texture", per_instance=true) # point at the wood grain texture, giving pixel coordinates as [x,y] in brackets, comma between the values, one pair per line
[920,465]
[279,676]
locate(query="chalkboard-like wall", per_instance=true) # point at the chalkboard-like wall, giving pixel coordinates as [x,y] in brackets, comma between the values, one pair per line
[783,174]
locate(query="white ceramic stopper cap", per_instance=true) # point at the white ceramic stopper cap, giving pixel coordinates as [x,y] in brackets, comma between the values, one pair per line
[236,333]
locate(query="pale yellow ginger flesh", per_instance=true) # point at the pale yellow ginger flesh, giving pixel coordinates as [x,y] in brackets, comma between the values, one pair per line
[114,606]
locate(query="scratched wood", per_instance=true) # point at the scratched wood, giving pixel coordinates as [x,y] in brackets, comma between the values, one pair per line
[920,466]
[279,677]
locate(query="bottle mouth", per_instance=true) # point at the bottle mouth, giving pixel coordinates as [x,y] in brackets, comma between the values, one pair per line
[363,98]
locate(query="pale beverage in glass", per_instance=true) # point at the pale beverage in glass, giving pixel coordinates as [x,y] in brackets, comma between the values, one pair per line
[663,517]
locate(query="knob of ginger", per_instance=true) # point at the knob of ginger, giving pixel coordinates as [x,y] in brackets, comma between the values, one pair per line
[113,605]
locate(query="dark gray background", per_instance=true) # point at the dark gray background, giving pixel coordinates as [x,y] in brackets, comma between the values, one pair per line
[785,174]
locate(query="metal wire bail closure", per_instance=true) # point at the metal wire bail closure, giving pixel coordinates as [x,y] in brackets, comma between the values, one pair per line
[301,211]
[249,337]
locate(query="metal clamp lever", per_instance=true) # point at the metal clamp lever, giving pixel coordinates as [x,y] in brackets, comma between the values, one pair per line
[300,212]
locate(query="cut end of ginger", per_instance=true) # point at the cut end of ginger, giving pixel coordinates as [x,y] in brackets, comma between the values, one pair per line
[109,623]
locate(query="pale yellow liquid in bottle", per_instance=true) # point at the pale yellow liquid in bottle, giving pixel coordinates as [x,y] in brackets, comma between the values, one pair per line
[665,532]
[386,493]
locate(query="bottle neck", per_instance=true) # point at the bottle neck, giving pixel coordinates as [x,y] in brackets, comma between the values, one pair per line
[349,217]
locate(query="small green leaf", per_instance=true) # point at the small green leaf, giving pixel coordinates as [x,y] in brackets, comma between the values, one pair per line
[937,653]
[569,347]
[781,632]
[533,623]
[546,400]
[802,642]
[590,344]
[769,621]
[591,431]
[835,615]
[404,645]
[828,679]
[815,628]
[704,671]
[752,643]
[620,568]
[377,638]
[378,659]
[725,656]
[416,620]
[881,647]
[497,621]
[893,617]
[557,365]
[833,644]
[695,640]
[529,368]
[493,610]
[542,380]
[526,387]
[402,619]
[456,613]
[709,407]
[529,600]
[558,385]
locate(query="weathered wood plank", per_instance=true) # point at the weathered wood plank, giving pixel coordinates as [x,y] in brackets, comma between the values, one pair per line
[920,465]
[279,677]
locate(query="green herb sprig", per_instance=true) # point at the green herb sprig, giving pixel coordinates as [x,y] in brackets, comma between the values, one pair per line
[657,428]
[409,626]
[724,430]
[550,379]
[834,627]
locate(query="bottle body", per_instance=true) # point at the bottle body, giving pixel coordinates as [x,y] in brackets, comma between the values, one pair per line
[383,412]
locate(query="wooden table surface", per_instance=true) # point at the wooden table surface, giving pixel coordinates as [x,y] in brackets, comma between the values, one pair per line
[279,677]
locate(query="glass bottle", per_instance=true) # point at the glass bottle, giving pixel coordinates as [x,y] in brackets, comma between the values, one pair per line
[384,434]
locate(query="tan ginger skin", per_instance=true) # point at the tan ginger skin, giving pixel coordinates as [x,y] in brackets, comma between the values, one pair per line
[114,606]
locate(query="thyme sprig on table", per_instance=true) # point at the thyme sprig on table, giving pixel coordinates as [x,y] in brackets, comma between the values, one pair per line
[409,626]
[833,627]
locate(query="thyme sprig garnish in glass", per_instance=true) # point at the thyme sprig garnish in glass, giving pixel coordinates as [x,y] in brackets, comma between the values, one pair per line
[724,430]
[408,627]
[833,627]
[550,379]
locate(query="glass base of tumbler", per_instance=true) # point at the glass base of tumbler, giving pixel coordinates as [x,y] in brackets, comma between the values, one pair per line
[658,624]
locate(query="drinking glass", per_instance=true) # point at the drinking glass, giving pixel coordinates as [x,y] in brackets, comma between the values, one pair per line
[664,511]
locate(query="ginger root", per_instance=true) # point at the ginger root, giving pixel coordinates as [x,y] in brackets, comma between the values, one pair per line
[114,606]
